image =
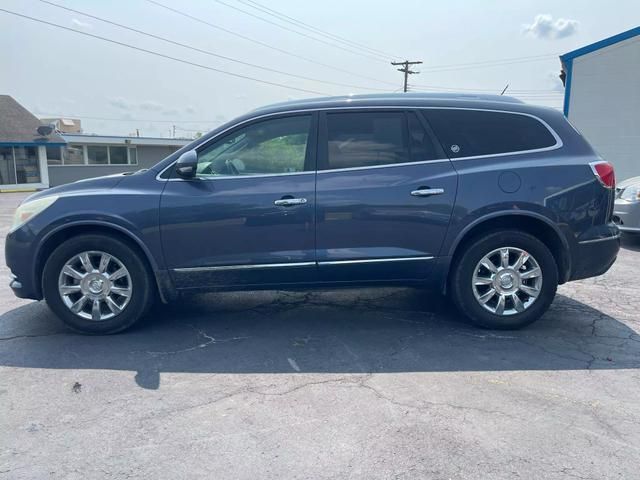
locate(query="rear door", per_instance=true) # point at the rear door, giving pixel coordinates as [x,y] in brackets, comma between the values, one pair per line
[384,196]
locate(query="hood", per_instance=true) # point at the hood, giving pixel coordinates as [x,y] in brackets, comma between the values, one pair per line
[98,183]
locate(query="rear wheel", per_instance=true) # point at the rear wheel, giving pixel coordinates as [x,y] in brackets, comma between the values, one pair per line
[97,284]
[504,280]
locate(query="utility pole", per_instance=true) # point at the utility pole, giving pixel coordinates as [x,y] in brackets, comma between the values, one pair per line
[174,131]
[405,70]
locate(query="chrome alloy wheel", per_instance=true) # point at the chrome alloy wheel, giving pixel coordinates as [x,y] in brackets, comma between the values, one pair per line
[507,281]
[95,285]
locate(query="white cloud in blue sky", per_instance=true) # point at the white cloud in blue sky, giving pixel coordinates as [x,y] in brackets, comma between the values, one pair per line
[544,26]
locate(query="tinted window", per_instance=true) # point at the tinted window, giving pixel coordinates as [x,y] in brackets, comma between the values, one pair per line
[267,147]
[366,139]
[466,133]
[420,143]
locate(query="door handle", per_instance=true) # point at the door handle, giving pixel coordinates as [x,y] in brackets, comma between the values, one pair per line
[288,202]
[427,192]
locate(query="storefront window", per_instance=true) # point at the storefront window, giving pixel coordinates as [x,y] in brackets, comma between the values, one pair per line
[73,155]
[97,155]
[54,155]
[27,167]
[118,155]
[7,166]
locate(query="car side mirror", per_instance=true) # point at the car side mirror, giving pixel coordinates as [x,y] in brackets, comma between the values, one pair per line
[187,164]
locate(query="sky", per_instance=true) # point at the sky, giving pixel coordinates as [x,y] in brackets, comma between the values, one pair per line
[337,47]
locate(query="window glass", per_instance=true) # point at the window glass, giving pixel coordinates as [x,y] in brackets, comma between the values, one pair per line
[271,146]
[27,167]
[118,155]
[420,143]
[73,155]
[467,133]
[54,155]
[7,167]
[365,139]
[97,155]
[133,156]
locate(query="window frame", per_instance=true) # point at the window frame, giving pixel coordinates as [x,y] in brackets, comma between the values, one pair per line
[310,153]
[323,137]
[85,155]
[557,145]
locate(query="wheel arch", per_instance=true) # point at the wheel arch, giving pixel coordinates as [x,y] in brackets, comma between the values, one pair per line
[67,231]
[535,224]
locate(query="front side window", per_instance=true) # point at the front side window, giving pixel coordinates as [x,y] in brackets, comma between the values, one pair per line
[274,146]
[468,133]
[366,139]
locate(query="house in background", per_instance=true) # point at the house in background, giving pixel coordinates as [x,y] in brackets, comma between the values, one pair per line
[23,152]
[602,98]
[32,161]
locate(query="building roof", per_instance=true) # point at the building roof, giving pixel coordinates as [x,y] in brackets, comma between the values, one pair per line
[607,42]
[567,59]
[18,126]
[124,140]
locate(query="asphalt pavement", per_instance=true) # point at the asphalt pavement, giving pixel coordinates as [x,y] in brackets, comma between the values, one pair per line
[367,384]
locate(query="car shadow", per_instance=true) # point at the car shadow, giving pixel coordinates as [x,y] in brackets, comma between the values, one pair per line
[348,331]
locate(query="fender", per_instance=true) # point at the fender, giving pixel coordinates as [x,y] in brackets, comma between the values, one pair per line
[504,213]
[164,288]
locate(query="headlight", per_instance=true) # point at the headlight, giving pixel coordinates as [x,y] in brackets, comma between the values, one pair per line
[28,210]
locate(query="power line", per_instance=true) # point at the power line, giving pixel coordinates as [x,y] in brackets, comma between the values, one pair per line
[208,52]
[157,54]
[266,45]
[490,63]
[378,58]
[306,26]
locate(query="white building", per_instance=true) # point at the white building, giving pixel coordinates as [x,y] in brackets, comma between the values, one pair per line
[602,98]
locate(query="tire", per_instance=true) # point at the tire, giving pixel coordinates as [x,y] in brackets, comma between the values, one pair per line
[114,314]
[469,278]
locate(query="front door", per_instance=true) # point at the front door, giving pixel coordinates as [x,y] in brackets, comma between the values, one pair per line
[248,218]
[385,193]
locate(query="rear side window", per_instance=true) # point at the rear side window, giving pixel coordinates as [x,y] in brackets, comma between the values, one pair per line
[369,139]
[467,133]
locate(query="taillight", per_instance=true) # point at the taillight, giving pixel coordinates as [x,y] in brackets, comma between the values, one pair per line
[604,173]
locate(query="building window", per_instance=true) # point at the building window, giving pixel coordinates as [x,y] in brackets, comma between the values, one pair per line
[7,166]
[97,155]
[118,155]
[54,155]
[27,167]
[133,156]
[73,155]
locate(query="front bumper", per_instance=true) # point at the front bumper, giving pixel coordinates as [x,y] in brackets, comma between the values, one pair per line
[20,259]
[595,257]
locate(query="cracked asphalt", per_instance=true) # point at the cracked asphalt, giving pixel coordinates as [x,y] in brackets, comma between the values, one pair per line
[371,384]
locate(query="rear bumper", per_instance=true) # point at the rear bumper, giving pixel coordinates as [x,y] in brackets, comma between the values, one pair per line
[595,257]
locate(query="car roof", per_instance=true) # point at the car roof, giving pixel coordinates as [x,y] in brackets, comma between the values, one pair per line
[411,99]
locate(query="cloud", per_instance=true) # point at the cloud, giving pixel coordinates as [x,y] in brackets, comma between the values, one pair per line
[544,26]
[80,23]
[556,83]
[121,103]
[151,106]
[190,109]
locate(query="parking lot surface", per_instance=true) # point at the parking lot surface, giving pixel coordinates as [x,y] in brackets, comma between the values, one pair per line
[371,384]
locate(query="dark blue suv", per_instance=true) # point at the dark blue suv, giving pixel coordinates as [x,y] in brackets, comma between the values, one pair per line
[485,198]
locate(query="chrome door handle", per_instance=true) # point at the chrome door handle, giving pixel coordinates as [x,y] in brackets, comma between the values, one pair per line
[288,202]
[427,192]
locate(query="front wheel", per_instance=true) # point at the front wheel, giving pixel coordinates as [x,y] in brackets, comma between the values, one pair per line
[96,284]
[504,280]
